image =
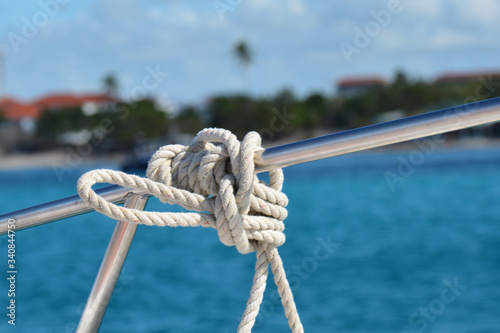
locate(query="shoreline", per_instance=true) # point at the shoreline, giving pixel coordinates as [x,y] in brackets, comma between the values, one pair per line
[61,157]
[52,158]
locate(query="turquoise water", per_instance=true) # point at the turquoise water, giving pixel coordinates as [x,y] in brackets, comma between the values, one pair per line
[418,254]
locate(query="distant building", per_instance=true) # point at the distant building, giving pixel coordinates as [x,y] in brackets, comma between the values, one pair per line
[90,104]
[355,85]
[466,78]
[21,117]
[13,109]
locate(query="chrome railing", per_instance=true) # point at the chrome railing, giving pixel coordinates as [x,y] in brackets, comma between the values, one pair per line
[363,138]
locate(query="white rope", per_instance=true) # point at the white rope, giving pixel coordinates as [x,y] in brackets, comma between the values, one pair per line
[215,176]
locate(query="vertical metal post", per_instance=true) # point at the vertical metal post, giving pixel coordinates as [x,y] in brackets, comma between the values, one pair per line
[110,269]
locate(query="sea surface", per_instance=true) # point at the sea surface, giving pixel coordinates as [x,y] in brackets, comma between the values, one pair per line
[401,241]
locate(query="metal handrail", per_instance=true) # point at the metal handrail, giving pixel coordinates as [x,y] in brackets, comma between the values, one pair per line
[110,269]
[358,139]
[61,209]
[378,135]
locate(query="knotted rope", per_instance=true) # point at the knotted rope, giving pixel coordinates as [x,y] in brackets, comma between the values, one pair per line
[215,176]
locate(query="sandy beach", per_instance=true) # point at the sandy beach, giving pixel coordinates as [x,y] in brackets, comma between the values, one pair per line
[53,158]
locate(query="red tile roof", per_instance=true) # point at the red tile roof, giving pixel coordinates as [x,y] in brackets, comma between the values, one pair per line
[9,102]
[62,100]
[467,76]
[14,109]
[361,81]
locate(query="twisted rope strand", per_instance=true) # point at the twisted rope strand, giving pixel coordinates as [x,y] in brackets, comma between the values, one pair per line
[215,177]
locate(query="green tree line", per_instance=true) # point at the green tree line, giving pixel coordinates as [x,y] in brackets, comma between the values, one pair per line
[275,117]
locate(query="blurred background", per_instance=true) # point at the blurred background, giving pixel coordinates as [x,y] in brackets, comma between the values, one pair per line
[104,83]
[109,74]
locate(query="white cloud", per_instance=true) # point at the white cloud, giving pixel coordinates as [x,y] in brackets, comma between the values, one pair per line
[295,42]
[446,38]
[424,40]
[428,10]
[263,14]
[485,13]
[442,25]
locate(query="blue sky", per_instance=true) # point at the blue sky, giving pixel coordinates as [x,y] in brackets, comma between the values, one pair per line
[296,43]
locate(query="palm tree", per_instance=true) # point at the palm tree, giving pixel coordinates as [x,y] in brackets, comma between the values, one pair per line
[243,55]
[110,84]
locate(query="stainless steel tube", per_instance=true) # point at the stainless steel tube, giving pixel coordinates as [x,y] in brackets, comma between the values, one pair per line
[60,209]
[110,269]
[378,135]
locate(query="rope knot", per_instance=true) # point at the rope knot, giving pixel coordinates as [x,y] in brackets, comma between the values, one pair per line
[216,165]
[215,176]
